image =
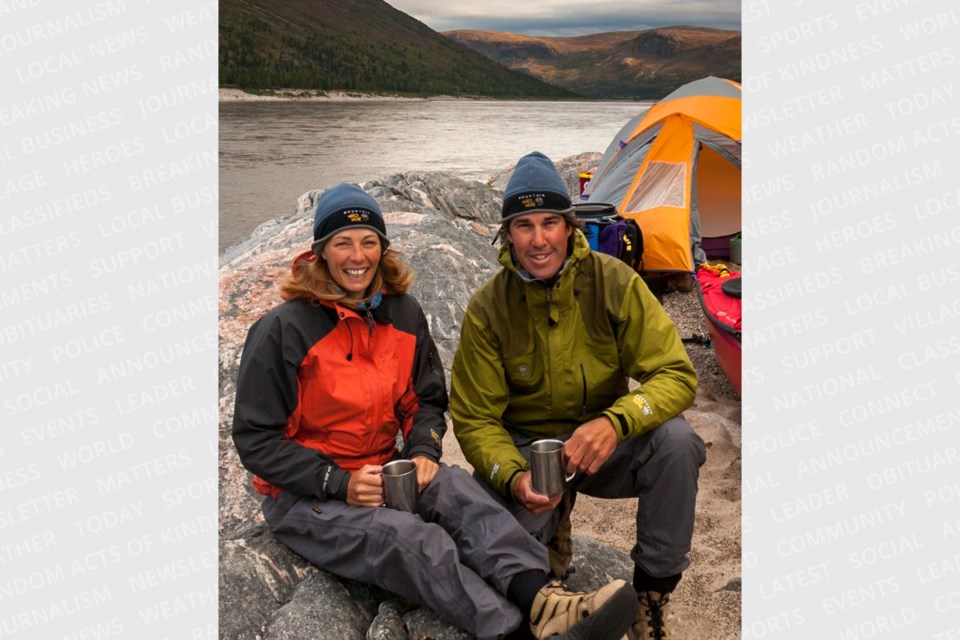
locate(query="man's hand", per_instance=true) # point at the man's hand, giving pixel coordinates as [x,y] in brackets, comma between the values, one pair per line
[590,446]
[536,503]
[365,488]
[426,470]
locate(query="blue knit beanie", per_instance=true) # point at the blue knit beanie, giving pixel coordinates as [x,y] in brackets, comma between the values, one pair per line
[535,186]
[346,205]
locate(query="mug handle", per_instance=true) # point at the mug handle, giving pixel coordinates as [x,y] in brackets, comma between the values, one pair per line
[572,475]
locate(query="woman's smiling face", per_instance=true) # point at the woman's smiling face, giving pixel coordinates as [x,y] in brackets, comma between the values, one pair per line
[352,257]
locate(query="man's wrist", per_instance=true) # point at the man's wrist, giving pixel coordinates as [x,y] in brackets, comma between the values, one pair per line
[619,424]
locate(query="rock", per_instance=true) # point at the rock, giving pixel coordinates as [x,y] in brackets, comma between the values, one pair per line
[389,623]
[257,577]
[428,192]
[444,227]
[423,624]
[451,196]
[735,584]
[321,608]
[597,564]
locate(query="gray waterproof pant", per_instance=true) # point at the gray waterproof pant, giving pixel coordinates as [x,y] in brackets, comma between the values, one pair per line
[456,555]
[661,468]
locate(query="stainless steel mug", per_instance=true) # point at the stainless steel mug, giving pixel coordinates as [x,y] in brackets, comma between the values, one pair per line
[400,485]
[546,467]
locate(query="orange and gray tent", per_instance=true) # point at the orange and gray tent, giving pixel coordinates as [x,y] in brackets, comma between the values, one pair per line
[675,169]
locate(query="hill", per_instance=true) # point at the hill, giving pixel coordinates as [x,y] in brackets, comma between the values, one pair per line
[355,45]
[644,64]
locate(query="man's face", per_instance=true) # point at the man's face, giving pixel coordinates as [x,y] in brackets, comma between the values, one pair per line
[540,242]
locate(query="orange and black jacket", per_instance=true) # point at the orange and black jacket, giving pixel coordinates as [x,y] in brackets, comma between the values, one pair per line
[323,390]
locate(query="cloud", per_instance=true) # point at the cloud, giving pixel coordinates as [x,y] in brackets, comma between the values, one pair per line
[570,17]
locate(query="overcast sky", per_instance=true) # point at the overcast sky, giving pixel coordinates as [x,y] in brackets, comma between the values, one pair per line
[570,17]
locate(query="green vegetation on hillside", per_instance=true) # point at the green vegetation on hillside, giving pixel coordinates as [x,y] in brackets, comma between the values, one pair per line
[355,45]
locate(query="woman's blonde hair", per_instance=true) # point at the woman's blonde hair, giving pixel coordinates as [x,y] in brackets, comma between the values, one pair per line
[311,279]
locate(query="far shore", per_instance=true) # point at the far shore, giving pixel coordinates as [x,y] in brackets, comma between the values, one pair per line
[317,95]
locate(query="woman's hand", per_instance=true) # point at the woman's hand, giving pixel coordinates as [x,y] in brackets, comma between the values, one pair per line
[536,503]
[426,470]
[365,488]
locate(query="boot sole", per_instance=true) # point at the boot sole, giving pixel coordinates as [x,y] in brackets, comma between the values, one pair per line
[612,621]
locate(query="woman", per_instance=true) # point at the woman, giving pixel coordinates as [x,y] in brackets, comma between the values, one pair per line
[327,381]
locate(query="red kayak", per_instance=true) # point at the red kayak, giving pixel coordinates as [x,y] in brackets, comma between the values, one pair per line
[719,292]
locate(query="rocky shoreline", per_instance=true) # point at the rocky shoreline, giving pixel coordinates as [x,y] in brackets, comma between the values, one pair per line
[313,95]
[444,227]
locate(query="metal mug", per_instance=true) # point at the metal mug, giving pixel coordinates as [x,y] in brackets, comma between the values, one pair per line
[400,485]
[546,467]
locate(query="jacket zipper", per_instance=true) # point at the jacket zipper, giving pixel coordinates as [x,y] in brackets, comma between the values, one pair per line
[350,334]
[583,377]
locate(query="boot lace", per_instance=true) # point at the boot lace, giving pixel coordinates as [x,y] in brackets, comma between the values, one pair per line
[653,610]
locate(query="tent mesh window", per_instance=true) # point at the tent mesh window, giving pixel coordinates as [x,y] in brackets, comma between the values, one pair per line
[662,185]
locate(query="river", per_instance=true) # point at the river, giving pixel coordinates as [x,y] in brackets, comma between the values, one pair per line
[272,152]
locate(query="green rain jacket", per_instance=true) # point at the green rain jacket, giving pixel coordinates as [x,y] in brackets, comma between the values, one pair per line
[539,361]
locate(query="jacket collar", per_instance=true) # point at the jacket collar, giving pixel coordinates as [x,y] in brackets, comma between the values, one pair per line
[380,313]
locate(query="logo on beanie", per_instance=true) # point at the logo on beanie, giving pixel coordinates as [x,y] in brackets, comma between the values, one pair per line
[531,200]
[528,201]
[356,216]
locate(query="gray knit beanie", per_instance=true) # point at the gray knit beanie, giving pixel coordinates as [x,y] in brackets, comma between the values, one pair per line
[535,186]
[346,205]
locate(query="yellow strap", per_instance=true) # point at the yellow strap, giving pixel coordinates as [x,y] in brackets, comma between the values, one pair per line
[718,269]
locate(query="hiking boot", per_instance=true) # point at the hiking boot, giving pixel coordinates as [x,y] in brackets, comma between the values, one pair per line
[604,614]
[652,614]
[560,547]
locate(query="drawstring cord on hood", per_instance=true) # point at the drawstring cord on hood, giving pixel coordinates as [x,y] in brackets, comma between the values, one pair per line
[367,307]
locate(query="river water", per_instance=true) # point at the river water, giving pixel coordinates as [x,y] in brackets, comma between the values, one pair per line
[272,152]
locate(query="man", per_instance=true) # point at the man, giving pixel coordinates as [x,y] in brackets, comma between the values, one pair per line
[546,350]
